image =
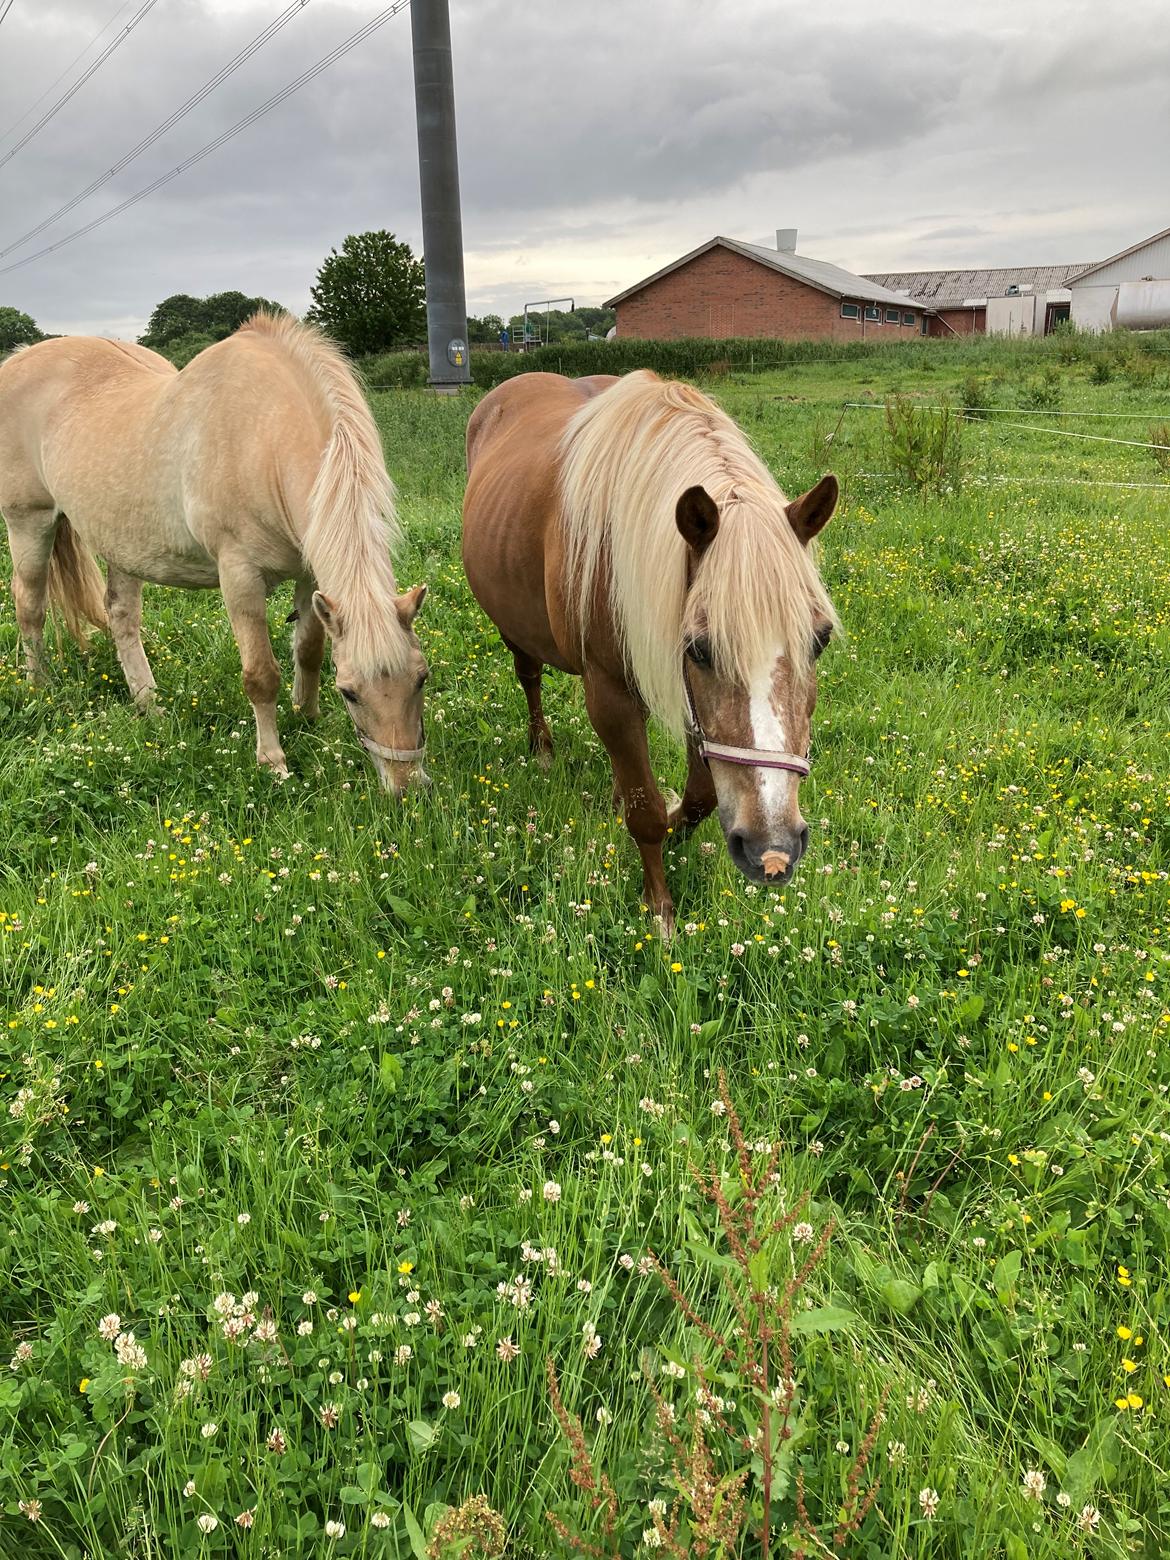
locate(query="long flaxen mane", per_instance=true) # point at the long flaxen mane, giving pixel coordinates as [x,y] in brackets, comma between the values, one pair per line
[352,525]
[625,460]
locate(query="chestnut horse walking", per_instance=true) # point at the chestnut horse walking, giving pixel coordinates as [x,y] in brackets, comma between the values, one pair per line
[259,462]
[624,530]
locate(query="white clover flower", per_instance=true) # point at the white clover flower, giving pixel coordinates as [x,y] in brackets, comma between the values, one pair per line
[451,1400]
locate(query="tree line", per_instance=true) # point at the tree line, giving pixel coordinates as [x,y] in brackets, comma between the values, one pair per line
[370,295]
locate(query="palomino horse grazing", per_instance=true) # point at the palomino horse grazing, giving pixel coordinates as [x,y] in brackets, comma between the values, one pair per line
[624,530]
[259,462]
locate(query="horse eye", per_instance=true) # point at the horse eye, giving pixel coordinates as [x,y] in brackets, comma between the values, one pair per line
[821,641]
[348,695]
[699,651]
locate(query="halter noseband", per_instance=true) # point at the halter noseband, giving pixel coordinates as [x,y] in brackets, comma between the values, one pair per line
[395,755]
[722,752]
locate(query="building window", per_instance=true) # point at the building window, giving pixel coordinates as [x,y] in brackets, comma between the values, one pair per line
[892,316]
[850,311]
[872,312]
[907,319]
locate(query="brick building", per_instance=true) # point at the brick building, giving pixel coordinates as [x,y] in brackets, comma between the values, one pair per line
[727,288]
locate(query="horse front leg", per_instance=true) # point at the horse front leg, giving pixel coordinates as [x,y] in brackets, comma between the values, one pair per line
[308,652]
[246,601]
[124,611]
[698,799]
[619,719]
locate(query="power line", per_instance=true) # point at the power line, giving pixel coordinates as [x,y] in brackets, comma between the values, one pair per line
[81,53]
[5,8]
[115,43]
[192,102]
[221,140]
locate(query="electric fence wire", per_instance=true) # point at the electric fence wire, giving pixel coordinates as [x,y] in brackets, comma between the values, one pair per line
[277,98]
[181,112]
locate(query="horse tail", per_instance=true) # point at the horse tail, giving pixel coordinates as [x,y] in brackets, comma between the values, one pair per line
[76,585]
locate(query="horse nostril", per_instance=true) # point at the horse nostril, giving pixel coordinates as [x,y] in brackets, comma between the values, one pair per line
[804,839]
[737,846]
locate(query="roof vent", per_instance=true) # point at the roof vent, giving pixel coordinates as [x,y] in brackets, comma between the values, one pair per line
[786,241]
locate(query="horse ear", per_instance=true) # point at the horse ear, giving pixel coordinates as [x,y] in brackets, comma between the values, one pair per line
[328,613]
[409,604]
[812,511]
[697,517]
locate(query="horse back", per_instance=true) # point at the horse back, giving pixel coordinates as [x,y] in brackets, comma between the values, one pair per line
[55,396]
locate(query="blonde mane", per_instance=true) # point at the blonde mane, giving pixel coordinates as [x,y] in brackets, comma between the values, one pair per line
[626,458]
[352,525]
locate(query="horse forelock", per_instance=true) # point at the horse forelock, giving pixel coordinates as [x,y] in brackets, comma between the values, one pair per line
[626,458]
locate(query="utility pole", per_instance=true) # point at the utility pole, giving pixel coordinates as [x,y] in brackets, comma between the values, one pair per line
[438,167]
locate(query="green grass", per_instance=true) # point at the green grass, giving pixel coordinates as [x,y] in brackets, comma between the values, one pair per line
[292,1040]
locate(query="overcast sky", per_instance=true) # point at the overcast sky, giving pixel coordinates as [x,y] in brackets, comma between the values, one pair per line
[598,140]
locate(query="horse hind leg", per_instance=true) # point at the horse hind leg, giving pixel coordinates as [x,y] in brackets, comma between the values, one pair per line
[31,533]
[529,673]
[124,611]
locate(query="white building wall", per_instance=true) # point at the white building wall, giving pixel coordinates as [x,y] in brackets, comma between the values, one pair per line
[1014,316]
[1152,259]
[1121,294]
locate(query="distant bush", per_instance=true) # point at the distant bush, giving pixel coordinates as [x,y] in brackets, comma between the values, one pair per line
[1041,394]
[181,349]
[975,392]
[1160,438]
[395,370]
[1101,371]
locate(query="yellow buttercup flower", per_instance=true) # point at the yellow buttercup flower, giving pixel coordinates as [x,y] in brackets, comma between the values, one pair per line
[406,1267]
[354,1296]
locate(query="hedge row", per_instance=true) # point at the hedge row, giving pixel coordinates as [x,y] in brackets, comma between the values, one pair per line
[696,358]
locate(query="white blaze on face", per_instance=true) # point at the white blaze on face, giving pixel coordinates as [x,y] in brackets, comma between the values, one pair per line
[776,787]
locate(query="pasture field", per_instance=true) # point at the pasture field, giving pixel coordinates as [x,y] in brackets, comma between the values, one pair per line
[356,1114]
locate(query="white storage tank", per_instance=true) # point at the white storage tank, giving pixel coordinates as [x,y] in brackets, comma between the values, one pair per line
[1143,305]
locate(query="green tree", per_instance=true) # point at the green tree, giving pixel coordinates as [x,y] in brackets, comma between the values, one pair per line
[371,294]
[182,318]
[485,328]
[17,329]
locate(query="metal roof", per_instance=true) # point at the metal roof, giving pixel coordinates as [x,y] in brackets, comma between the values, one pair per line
[1123,254]
[950,289]
[817,273]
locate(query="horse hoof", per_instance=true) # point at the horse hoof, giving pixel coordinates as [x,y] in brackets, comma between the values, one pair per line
[277,768]
[542,758]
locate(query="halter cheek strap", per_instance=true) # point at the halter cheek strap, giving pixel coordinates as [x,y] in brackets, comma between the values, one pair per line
[724,753]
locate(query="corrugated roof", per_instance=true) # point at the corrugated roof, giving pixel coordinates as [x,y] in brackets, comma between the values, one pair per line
[817,273]
[949,289]
[1123,254]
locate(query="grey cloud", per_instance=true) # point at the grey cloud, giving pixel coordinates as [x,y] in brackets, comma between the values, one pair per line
[597,140]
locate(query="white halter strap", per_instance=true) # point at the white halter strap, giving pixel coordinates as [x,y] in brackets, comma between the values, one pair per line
[394,755]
